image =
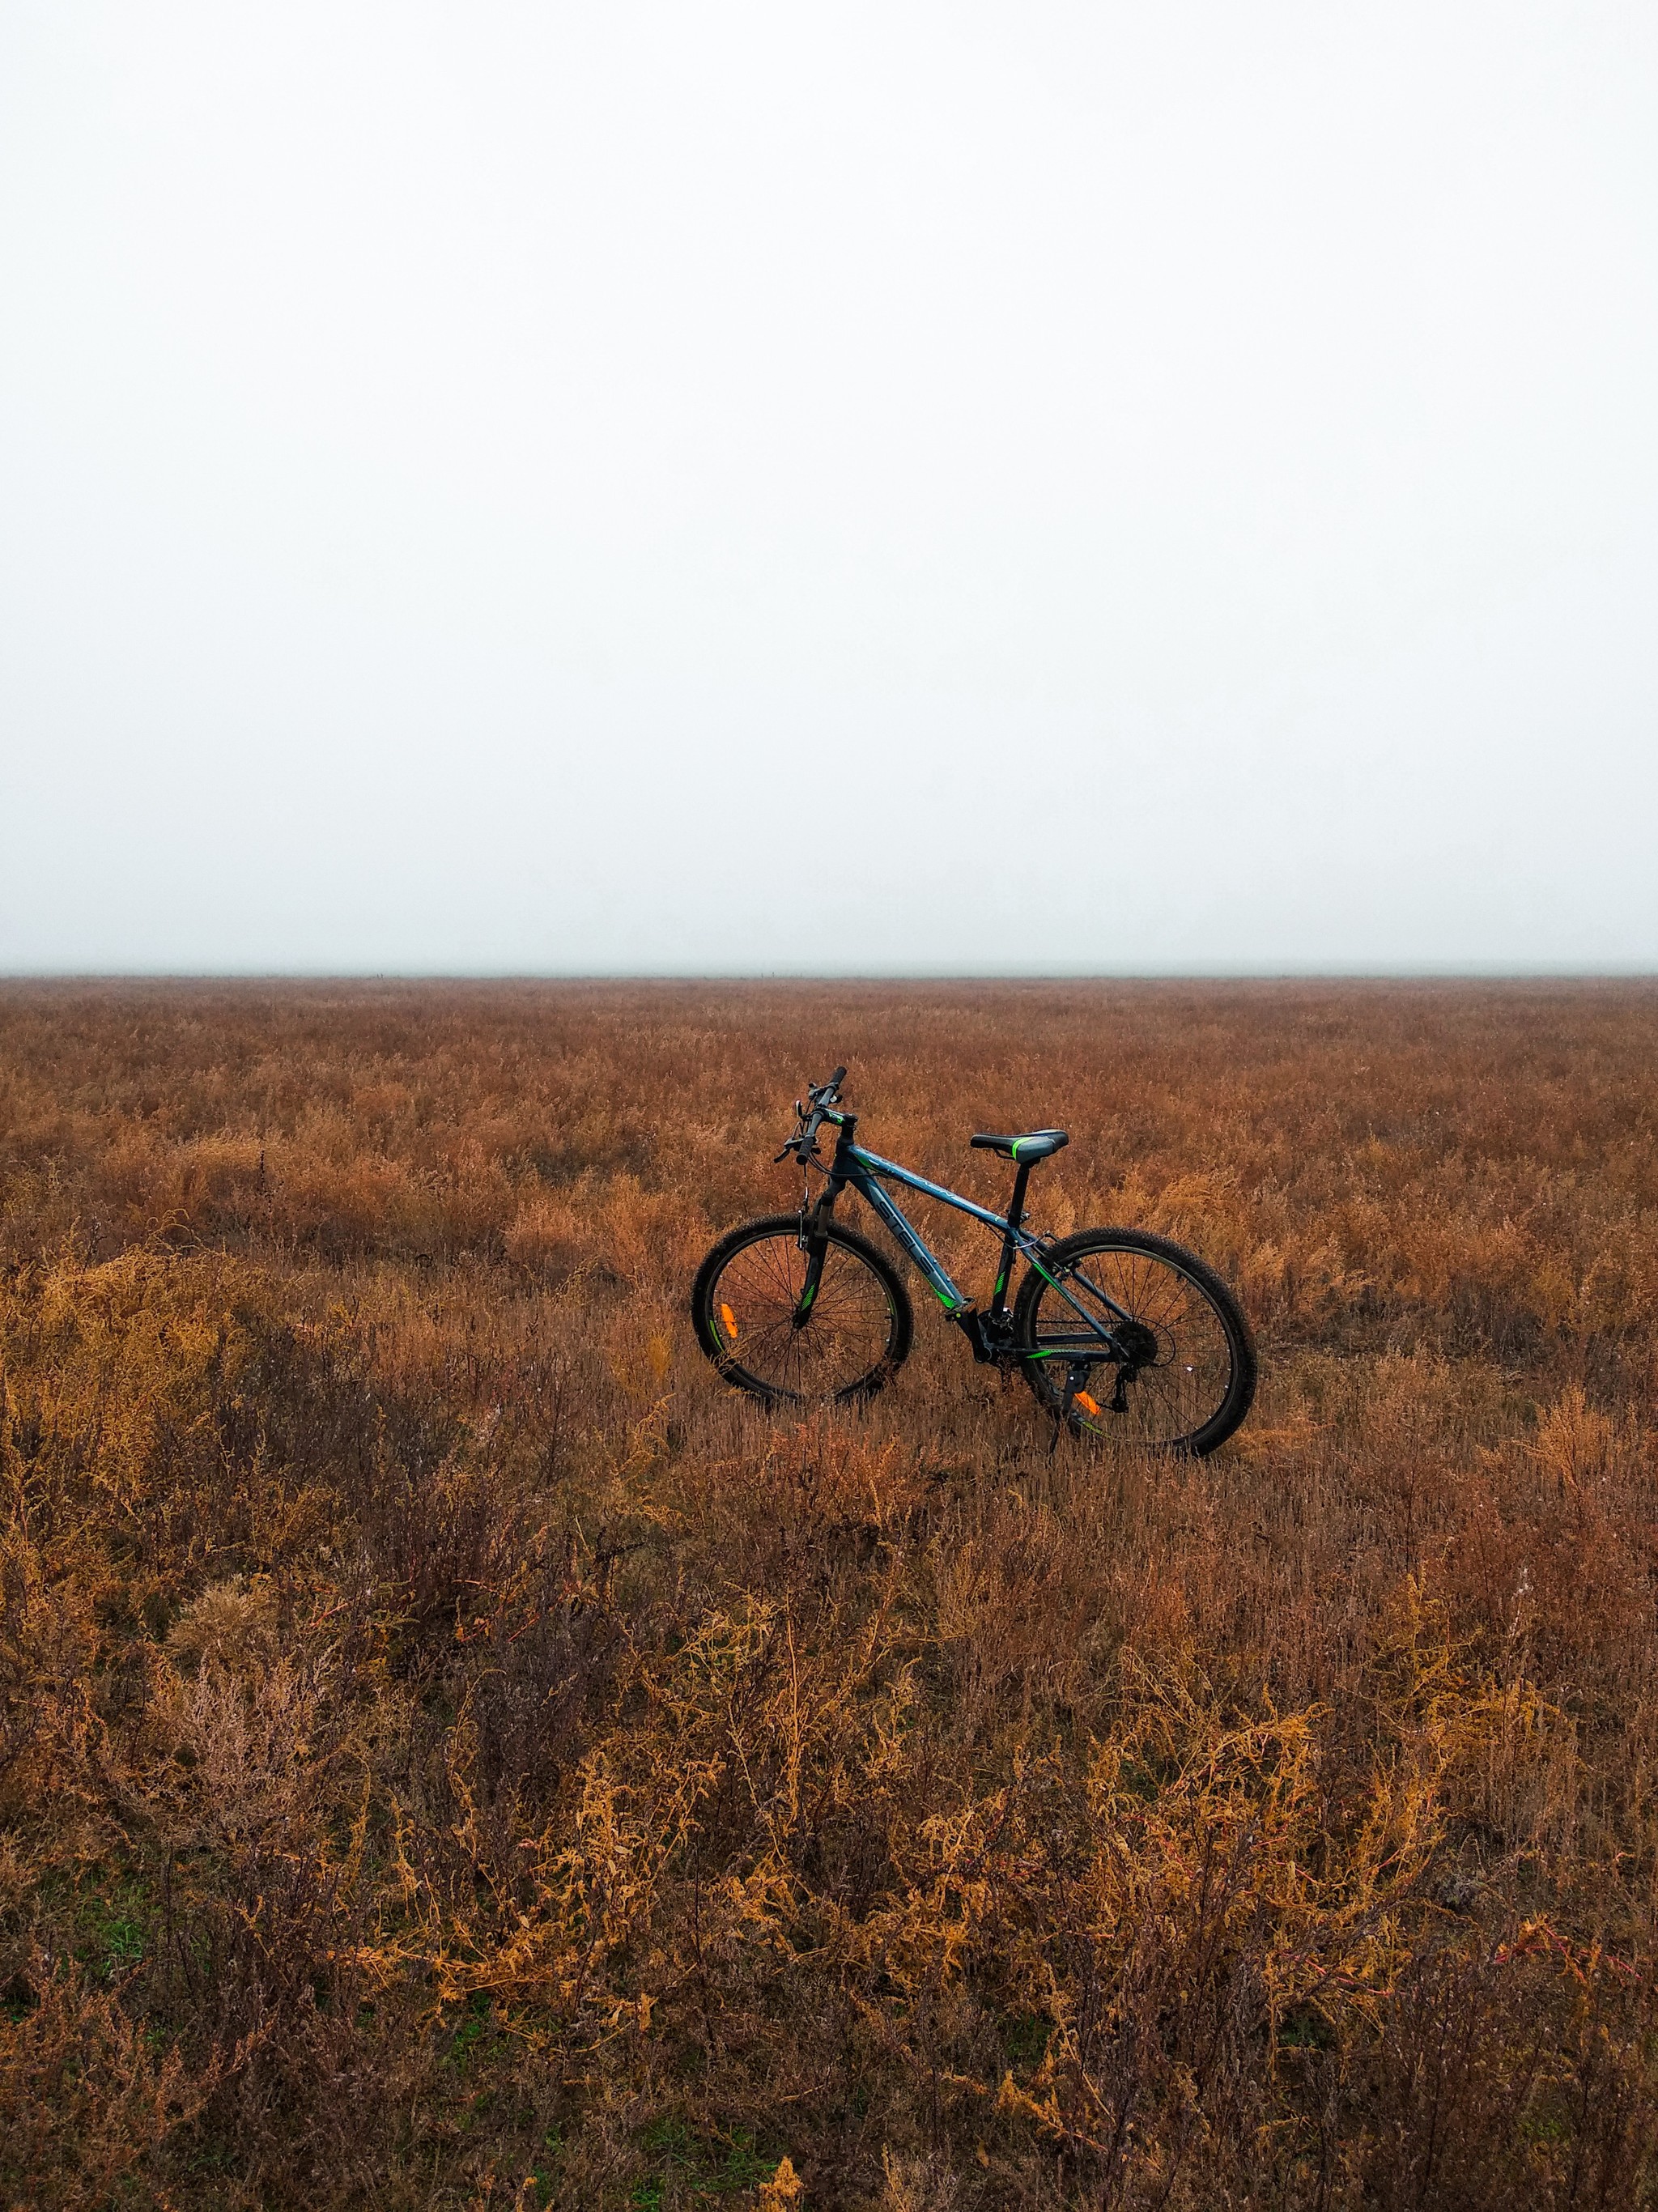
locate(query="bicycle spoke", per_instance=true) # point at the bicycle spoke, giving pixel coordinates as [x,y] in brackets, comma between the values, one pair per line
[1185,1371]
[842,1341]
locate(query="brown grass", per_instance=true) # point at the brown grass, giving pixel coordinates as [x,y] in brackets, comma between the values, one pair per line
[453,1753]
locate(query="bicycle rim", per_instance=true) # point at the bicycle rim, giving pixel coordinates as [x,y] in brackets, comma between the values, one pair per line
[1179,1389]
[842,1350]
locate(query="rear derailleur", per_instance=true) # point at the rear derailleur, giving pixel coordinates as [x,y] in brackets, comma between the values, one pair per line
[1135,1347]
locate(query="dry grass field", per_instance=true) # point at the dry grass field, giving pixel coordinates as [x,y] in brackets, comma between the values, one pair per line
[453,1751]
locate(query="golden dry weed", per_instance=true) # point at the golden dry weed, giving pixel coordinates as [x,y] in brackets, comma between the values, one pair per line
[453,1751]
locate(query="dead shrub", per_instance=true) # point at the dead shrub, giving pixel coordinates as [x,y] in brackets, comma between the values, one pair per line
[454,1751]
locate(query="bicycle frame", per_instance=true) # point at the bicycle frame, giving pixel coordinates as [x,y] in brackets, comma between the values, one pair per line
[864,1171]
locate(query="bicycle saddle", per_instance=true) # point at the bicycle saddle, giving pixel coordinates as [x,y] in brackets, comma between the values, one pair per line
[1036,1144]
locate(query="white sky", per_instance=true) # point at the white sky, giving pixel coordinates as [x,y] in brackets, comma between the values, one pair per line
[755,487]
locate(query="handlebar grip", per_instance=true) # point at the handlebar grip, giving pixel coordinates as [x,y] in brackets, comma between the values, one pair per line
[839,1076]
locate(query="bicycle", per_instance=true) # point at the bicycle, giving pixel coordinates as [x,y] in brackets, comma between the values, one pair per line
[1117,1331]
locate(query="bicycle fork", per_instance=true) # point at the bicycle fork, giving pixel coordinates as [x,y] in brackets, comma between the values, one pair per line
[815,1219]
[814,1243]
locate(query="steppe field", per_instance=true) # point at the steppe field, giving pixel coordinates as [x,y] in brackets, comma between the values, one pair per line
[455,1753]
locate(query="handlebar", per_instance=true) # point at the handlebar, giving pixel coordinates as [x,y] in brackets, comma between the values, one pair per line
[809,1118]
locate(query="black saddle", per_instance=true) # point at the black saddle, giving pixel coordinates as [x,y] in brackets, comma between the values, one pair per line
[1036,1144]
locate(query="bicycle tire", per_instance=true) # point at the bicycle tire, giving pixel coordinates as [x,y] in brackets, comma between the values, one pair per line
[826,1371]
[1168,1290]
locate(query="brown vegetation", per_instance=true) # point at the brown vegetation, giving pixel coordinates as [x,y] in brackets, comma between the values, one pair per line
[453,1752]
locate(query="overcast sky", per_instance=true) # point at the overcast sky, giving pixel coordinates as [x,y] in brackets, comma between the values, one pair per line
[885,487]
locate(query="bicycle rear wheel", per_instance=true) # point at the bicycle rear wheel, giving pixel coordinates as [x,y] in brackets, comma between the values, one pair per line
[747,1295]
[1183,1376]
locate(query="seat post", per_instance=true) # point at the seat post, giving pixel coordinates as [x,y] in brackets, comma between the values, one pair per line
[1015,1216]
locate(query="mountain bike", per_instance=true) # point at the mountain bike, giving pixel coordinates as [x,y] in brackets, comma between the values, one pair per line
[1118,1331]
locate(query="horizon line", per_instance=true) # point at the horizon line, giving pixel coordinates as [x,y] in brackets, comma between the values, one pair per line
[1469,973]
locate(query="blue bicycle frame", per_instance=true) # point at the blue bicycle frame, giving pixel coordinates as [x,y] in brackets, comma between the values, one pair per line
[861,1169]
[865,1172]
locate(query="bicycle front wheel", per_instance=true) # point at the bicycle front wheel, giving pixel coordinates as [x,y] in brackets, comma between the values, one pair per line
[745,1300]
[1180,1375]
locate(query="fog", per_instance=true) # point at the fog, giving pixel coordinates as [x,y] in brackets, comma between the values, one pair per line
[901,488]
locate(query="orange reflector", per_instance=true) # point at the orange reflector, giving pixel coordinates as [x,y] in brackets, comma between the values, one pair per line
[1086,1402]
[729,1320]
